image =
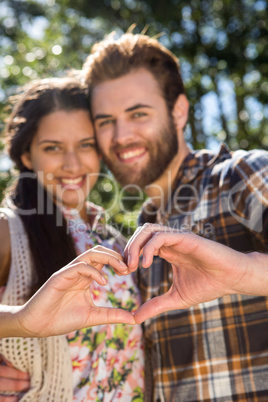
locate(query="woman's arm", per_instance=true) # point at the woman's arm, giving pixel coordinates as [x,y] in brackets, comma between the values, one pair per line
[63,304]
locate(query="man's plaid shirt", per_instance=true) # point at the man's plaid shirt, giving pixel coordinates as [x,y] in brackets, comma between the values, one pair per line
[215,351]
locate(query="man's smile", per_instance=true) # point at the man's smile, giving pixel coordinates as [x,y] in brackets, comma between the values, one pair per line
[131,155]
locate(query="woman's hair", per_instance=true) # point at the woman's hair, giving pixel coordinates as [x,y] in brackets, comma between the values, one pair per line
[50,244]
[111,59]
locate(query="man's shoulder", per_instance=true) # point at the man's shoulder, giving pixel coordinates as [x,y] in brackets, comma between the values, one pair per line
[242,162]
[248,163]
[256,157]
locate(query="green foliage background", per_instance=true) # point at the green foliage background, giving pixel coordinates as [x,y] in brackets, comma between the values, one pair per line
[222,46]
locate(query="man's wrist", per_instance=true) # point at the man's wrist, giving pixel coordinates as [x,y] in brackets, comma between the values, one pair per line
[255,277]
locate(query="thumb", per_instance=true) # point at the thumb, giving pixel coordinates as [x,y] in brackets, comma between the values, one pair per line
[112,316]
[154,307]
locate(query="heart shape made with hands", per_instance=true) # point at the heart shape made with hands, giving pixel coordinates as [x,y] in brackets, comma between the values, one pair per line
[203,270]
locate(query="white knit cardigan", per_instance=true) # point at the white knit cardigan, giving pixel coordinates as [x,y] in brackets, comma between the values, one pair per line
[47,360]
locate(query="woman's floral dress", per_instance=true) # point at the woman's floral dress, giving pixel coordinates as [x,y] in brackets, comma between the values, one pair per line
[108,360]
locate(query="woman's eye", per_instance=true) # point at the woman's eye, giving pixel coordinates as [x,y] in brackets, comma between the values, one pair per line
[51,148]
[87,145]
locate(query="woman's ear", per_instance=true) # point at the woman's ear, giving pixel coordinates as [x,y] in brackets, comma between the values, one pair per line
[180,111]
[26,160]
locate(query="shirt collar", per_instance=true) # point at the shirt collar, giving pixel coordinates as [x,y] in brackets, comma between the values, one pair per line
[197,161]
[194,163]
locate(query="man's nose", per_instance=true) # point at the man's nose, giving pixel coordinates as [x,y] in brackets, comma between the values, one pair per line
[123,132]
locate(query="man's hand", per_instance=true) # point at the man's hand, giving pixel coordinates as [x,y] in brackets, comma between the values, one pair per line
[203,270]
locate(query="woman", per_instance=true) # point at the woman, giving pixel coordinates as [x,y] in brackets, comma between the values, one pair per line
[51,141]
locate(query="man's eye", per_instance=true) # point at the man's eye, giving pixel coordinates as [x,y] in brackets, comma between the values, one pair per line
[137,115]
[105,122]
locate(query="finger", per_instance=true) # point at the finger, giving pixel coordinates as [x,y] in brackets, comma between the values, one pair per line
[154,307]
[141,241]
[104,315]
[101,258]
[123,269]
[74,274]
[109,251]
[78,276]
[157,241]
[5,398]
[13,385]
[139,228]
[138,241]
[128,245]
[99,249]
[181,243]
[12,373]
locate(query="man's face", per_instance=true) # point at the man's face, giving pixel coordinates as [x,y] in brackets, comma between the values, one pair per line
[135,134]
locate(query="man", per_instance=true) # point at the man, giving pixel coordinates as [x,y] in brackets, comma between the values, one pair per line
[216,350]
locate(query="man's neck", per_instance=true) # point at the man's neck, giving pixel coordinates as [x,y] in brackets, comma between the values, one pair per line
[160,191]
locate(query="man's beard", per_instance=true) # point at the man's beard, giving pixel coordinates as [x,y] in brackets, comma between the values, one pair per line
[161,152]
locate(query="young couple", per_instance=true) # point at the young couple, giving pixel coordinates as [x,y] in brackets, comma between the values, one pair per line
[209,351]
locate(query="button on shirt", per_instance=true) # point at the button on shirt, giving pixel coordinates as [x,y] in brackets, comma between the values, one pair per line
[215,351]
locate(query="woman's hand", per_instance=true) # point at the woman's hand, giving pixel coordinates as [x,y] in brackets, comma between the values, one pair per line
[12,380]
[64,302]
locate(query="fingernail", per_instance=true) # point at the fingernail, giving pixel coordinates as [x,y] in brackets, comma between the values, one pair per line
[143,260]
[129,259]
[104,281]
[123,264]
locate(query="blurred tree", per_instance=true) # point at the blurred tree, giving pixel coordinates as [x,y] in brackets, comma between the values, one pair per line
[222,46]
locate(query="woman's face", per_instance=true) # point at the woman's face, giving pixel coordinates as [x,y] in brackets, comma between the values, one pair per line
[63,154]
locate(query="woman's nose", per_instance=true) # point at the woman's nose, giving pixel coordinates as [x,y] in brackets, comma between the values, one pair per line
[71,161]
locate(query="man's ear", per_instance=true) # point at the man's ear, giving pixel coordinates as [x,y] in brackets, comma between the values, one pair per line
[26,160]
[180,111]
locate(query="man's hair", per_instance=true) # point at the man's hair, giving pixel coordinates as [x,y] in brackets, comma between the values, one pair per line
[111,59]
